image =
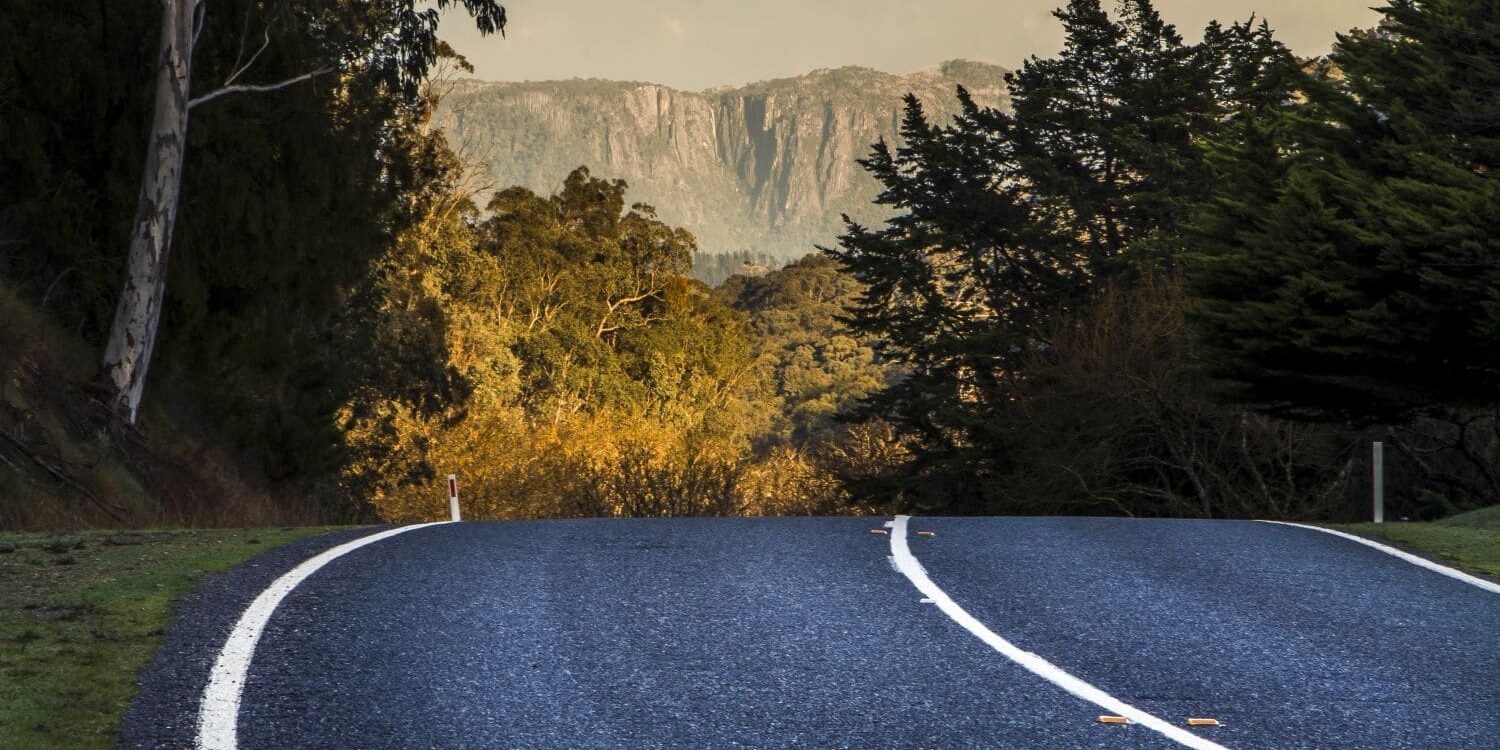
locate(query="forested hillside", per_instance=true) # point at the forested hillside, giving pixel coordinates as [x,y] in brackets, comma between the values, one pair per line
[1149,277]
[766,168]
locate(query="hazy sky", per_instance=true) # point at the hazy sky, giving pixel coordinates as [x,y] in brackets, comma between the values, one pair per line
[696,44]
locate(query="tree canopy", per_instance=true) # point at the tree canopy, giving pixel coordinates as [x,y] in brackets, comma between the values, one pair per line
[1009,220]
[565,333]
[1346,269]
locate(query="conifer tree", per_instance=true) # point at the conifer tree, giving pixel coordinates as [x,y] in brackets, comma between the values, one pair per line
[1008,220]
[1348,260]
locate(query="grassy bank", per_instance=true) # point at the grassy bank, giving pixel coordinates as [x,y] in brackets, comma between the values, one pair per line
[81,613]
[1469,541]
[63,465]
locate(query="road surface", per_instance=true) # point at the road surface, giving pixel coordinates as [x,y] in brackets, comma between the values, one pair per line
[814,633]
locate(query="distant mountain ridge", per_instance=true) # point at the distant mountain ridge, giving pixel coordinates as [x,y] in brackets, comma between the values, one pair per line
[766,167]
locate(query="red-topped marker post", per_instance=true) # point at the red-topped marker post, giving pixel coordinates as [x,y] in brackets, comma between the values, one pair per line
[453,497]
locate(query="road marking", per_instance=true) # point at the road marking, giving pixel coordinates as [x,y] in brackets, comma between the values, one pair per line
[219,711]
[907,564]
[1458,575]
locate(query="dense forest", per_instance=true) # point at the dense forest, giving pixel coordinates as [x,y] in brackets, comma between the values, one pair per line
[1166,278]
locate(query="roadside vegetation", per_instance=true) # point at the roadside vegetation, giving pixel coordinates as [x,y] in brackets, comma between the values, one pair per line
[81,613]
[1167,278]
[1469,541]
[66,465]
[1196,278]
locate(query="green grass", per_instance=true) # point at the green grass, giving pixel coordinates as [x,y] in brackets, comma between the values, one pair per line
[81,613]
[1469,541]
[1484,518]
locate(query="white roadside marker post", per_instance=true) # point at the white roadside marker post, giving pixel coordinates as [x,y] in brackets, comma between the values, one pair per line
[1377,468]
[453,497]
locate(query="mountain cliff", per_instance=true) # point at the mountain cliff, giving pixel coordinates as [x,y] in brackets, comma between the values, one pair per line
[767,167]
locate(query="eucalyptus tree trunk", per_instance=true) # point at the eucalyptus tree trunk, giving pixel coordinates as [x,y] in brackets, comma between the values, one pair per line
[132,336]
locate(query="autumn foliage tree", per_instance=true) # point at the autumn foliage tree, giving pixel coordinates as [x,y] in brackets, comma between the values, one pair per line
[580,371]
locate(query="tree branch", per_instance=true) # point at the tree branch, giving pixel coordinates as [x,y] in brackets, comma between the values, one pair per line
[253,57]
[629,300]
[226,90]
[199,14]
[611,307]
[244,34]
[110,509]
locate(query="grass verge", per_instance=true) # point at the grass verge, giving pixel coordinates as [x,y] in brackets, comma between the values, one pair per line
[81,613]
[1469,541]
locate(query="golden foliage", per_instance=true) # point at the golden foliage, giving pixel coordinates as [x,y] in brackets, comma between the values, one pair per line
[608,464]
[571,369]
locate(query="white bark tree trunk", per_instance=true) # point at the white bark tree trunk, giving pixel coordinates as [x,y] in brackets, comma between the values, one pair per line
[132,336]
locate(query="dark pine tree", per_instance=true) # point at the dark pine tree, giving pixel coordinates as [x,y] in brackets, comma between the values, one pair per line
[1348,260]
[1007,220]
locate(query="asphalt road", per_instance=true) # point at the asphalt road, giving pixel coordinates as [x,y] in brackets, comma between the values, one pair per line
[730,633]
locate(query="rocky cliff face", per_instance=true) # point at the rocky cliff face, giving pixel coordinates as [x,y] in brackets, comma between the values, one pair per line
[767,167]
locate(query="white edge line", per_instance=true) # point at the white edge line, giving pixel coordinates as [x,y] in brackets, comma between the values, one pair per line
[1458,575]
[218,712]
[908,564]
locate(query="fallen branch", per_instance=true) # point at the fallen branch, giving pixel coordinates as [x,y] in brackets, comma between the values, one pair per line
[62,476]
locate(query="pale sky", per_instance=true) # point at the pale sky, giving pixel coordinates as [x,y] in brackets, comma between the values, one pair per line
[697,44]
